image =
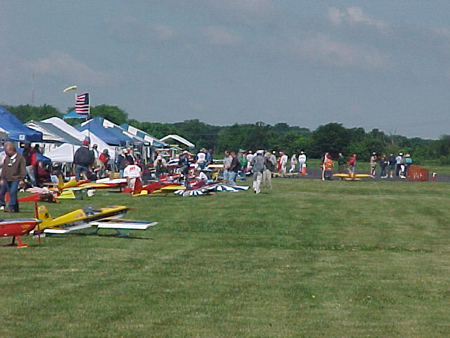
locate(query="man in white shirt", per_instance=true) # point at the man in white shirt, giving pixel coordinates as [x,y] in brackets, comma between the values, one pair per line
[250,156]
[201,159]
[131,173]
[301,161]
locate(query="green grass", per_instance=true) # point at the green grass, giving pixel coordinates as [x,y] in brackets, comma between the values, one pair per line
[306,259]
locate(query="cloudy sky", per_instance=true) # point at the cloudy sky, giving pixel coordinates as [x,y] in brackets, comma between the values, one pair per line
[376,64]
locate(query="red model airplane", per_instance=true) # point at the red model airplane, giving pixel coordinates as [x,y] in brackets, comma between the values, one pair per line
[17,227]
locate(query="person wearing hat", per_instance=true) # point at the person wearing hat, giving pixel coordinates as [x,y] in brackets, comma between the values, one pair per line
[408,163]
[82,159]
[258,166]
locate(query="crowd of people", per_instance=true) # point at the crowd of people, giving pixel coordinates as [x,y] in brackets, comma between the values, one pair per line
[389,166]
[93,164]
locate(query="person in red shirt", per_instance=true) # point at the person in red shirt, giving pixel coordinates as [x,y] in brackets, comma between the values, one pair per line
[328,165]
[352,163]
[104,158]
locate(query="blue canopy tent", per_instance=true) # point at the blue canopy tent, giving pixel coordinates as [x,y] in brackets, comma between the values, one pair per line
[106,134]
[73,115]
[16,130]
[154,142]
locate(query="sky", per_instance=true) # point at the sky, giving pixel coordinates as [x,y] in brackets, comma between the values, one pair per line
[371,64]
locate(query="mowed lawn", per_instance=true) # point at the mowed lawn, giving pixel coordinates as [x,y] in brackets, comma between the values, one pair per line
[306,259]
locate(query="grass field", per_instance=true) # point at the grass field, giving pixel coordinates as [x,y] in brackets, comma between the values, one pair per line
[306,259]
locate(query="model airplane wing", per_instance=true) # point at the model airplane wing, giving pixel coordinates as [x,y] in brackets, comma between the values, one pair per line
[67,230]
[125,224]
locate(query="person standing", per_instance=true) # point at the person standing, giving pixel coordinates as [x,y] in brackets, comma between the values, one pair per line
[383,165]
[373,164]
[226,166]
[95,151]
[328,165]
[352,164]
[185,164]
[267,173]
[283,162]
[3,187]
[301,162]
[274,161]
[104,158]
[30,156]
[201,159]
[293,163]
[160,167]
[243,167]
[322,165]
[82,159]
[341,163]
[233,169]
[132,172]
[13,174]
[408,163]
[391,165]
[398,162]
[258,167]
[250,156]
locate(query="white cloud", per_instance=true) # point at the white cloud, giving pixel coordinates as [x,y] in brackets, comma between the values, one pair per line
[221,36]
[62,64]
[252,12]
[354,16]
[163,32]
[322,48]
[130,28]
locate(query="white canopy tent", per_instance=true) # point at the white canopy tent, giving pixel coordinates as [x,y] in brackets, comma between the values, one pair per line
[61,124]
[179,139]
[63,154]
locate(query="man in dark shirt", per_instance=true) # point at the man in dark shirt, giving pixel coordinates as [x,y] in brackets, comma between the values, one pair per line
[13,174]
[82,159]
[233,169]
[29,155]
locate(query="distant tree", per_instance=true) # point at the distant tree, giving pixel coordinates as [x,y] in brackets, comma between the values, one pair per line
[158,130]
[201,134]
[26,113]
[111,113]
[332,138]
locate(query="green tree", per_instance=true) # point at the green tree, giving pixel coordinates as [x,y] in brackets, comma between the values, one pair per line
[332,138]
[26,113]
[111,113]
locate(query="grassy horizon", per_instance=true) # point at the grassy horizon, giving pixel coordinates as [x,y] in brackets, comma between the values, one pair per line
[306,259]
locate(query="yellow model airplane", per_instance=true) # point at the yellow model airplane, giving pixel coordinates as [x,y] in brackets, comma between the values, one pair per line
[351,176]
[88,217]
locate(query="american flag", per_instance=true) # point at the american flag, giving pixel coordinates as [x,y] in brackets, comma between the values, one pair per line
[82,106]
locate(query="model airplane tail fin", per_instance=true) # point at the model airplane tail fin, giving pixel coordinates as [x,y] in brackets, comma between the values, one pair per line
[44,215]
[137,186]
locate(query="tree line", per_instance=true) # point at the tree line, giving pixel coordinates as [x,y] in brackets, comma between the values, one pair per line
[331,137]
